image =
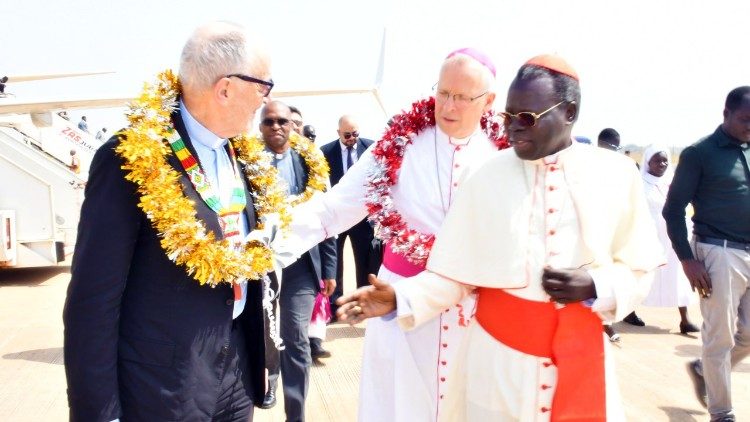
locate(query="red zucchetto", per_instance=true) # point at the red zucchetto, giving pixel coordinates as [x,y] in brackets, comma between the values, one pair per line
[555,63]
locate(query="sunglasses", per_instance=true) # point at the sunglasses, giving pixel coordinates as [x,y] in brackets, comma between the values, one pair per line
[266,86]
[348,135]
[271,122]
[525,119]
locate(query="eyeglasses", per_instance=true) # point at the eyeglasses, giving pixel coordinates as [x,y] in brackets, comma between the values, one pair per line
[458,99]
[297,123]
[348,135]
[267,86]
[525,119]
[270,122]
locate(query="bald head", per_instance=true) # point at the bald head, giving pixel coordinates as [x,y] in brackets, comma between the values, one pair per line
[348,130]
[276,125]
[276,107]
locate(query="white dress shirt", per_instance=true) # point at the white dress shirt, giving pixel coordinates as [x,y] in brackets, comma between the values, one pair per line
[217,166]
[345,155]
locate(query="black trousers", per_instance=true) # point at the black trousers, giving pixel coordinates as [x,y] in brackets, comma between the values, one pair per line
[234,403]
[361,236]
[299,286]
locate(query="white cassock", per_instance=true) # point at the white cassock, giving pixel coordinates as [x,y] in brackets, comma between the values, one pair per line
[400,371]
[582,208]
[671,288]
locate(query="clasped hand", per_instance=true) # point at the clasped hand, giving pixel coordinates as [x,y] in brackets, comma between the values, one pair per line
[568,285]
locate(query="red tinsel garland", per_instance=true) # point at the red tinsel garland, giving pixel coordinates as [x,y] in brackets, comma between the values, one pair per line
[389,153]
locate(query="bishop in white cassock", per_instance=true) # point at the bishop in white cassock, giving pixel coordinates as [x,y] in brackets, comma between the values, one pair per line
[553,237]
[401,370]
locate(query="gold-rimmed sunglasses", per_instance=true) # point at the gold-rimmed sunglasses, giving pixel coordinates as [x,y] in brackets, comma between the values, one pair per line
[525,118]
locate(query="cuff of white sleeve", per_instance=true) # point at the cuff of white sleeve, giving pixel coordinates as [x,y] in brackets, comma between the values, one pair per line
[605,303]
[404,314]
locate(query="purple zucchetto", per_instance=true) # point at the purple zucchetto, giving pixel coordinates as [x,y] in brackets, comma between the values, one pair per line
[476,55]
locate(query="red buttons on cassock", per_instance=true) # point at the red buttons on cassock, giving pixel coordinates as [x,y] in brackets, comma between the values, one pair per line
[547,364]
[456,165]
[552,232]
[445,344]
[442,379]
[551,210]
[441,397]
[545,409]
[552,168]
[443,363]
[551,188]
[445,327]
[230,302]
[455,184]
[545,386]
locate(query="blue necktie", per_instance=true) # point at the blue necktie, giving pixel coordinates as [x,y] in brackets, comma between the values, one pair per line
[349,157]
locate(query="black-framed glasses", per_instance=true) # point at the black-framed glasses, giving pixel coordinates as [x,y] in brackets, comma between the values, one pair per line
[267,86]
[271,122]
[525,119]
[458,99]
[349,135]
[298,123]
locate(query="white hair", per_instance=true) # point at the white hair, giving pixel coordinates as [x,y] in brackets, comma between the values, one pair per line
[214,51]
[488,79]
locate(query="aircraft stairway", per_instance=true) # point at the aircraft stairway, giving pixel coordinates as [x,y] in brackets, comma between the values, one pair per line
[43,195]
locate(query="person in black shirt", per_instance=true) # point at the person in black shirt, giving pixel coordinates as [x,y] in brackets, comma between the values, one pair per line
[713,175]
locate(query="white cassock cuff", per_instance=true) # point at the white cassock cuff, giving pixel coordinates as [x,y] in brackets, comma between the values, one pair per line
[618,290]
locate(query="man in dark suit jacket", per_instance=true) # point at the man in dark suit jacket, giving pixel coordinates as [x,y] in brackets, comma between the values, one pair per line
[301,280]
[342,154]
[144,341]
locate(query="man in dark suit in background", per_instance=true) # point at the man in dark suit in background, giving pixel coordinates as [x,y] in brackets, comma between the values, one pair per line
[301,280]
[144,341]
[341,155]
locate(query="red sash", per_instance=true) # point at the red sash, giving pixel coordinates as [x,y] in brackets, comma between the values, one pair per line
[398,264]
[571,336]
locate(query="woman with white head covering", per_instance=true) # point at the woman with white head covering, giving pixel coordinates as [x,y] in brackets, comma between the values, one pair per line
[671,287]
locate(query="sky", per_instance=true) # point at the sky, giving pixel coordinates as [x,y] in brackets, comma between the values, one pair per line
[658,71]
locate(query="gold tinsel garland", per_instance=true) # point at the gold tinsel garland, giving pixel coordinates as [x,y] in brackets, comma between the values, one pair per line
[317,166]
[184,238]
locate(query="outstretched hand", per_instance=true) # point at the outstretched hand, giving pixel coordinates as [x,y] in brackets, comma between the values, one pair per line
[378,299]
[568,285]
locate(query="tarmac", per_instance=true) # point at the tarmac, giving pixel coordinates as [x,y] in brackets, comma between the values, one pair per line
[650,361]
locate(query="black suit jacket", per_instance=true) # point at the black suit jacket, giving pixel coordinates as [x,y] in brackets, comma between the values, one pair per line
[332,152]
[322,256]
[143,340]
